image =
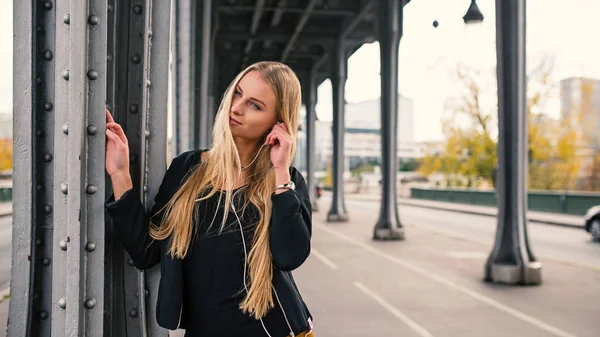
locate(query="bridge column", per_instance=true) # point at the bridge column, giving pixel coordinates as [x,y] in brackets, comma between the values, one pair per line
[339,68]
[183,97]
[389,17]
[137,96]
[511,260]
[203,42]
[309,92]
[57,273]
[212,83]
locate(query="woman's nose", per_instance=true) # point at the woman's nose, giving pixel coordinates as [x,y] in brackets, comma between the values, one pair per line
[236,108]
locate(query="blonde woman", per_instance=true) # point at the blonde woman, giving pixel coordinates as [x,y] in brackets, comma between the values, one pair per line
[229,223]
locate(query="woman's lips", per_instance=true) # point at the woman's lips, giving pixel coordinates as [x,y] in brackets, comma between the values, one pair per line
[233,121]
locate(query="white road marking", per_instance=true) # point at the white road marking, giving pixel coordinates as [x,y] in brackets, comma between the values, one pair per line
[480,297]
[323,259]
[394,311]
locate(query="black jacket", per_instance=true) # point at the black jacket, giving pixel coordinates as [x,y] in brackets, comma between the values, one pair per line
[291,230]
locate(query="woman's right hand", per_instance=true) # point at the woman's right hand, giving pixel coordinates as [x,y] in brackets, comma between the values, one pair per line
[117,149]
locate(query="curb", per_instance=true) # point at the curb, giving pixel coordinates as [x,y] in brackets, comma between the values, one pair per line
[449,209]
[553,223]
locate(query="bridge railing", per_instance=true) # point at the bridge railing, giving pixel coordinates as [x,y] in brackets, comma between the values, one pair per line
[565,202]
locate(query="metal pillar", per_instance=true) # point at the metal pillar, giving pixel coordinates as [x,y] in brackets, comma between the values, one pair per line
[511,260]
[212,83]
[202,29]
[137,87]
[310,102]
[153,136]
[183,77]
[339,67]
[58,238]
[390,19]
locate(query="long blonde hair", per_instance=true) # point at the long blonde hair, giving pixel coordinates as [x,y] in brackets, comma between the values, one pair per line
[222,167]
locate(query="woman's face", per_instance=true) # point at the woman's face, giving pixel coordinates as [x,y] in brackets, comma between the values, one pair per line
[253,108]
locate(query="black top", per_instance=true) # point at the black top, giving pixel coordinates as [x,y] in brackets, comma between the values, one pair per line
[290,232]
[213,273]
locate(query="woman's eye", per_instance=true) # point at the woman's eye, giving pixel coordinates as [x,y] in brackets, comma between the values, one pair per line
[255,106]
[237,93]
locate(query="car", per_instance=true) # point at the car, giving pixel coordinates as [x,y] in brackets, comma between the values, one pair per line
[592,222]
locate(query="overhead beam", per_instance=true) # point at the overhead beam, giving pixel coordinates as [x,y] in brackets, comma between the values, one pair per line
[258,12]
[303,20]
[281,9]
[357,19]
[276,19]
[274,37]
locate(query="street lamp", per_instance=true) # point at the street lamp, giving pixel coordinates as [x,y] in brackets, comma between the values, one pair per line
[473,14]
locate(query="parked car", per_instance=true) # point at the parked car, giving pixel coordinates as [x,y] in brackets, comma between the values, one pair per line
[592,222]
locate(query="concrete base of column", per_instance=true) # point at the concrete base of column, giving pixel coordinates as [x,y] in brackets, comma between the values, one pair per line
[337,217]
[511,274]
[388,234]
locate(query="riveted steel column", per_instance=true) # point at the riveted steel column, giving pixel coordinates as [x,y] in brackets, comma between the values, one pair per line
[61,102]
[153,139]
[127,60]
[93,21]
[389,18]
[511,260]
[113,269]
[212,88]
[29,311]
[60,133]
[310,102]
[116,102]
[202,51]
[183,76]
[339,67]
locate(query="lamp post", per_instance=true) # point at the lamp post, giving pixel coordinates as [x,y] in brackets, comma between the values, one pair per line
[473,14]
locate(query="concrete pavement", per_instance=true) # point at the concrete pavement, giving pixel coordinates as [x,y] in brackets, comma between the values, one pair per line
[5,209]
[431,285]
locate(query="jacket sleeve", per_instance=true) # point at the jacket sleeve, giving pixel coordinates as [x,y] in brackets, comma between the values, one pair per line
[132,223]
[291,225]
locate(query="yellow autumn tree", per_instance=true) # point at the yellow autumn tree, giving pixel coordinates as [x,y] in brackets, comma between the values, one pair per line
[470,149]
[5,154]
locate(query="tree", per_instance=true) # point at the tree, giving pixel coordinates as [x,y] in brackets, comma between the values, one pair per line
[6,154]
[470,149]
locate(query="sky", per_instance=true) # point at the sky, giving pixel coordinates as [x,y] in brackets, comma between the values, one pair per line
[558,28]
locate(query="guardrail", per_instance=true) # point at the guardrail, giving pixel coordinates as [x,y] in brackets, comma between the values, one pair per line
[5,194]
[565,202]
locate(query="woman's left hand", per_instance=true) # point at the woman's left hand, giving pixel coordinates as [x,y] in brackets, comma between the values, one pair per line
[281,145]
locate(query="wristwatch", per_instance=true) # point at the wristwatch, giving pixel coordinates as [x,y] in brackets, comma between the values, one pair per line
[290,186]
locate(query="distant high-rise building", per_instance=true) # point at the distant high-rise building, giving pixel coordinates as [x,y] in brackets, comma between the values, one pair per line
[580,111]
[580,106]
[362,141]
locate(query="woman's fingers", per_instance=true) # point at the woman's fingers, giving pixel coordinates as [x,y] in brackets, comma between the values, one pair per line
[109,118]
[118,130]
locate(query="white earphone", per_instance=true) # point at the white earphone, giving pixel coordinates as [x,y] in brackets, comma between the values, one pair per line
[246,286]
